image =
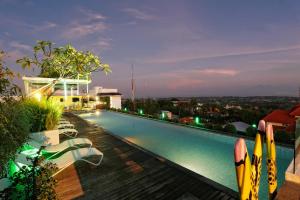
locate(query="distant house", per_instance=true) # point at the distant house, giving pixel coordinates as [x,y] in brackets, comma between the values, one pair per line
[186,120]
[166,114]
[180,102]
[240,126]
[283,119]
[112,95]
[227,107]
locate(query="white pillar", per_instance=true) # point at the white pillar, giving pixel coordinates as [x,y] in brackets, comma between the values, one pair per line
[26,86]
[77,85]
[65,91]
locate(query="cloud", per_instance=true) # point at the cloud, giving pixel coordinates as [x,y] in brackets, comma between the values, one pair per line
[13,55]
[190,78]
[19,46]
[76,29]
[91,15]
[138,14]
[47,25]
[190,52]
[225,72]
[89,24]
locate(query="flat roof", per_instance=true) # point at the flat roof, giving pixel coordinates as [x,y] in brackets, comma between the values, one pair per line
[59,81]
[109,94]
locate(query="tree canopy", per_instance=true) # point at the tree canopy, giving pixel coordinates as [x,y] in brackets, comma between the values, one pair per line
[6,75]
[62,62]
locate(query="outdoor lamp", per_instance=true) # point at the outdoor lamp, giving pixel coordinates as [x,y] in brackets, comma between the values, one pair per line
[38,96]
[197,120]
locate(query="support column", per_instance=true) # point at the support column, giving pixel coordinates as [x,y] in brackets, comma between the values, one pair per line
[65,91]
[78,85]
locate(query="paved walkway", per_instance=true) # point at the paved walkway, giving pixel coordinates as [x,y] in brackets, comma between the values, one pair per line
[130,173]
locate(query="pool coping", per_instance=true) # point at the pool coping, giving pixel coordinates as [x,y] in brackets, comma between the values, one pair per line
[200,128]
[200,177]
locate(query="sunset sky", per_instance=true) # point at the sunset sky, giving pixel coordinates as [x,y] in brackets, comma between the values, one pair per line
[178,48]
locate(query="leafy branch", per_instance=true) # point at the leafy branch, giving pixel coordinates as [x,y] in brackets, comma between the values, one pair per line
[62,62]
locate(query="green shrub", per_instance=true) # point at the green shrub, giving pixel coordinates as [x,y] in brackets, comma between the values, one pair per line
[251,131]
[14,130]
[36,113]
[22,183]
[229,128]
[43,115]
[54,112]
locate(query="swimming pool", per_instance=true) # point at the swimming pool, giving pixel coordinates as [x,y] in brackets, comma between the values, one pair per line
[206,153]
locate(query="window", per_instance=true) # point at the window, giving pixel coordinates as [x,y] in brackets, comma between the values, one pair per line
[75,99]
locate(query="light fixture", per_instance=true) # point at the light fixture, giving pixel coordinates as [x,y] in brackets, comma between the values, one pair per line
[197,120]
[38,96]
[97,112]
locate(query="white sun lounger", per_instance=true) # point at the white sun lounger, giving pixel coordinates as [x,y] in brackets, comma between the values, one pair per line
[64,122]
[63,126]
[4,184]
[56,149]
[70,132]
[66,159]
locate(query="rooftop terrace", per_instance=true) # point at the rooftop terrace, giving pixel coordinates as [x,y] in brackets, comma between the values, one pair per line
[128,172]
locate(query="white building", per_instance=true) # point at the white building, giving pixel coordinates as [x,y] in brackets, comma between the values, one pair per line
[113,95]
[166,114]
[71,93]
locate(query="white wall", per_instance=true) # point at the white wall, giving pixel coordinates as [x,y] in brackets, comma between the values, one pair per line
[115,102]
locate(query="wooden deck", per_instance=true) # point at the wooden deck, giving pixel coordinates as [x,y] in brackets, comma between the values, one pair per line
[127,172]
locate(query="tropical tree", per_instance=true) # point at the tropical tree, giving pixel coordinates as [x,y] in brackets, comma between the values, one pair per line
[62,62]
[6,75]
[229,128]
[13,123]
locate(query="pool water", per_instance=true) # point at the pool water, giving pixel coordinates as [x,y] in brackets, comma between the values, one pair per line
[206,153]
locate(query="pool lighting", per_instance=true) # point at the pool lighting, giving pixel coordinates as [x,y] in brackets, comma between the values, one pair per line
[254,125]
[163,115]
[97,112]
[141,112]
[38,96]
[125,109]
[197,120]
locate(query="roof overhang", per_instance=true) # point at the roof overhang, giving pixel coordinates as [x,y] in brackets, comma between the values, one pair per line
[41,80]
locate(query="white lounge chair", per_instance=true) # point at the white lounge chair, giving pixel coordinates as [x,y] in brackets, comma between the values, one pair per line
[66,159]
[4,184]
[63,126]
[70,132]
[64,122]
[56,149]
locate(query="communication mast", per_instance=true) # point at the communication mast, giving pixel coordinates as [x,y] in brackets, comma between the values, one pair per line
[132,88]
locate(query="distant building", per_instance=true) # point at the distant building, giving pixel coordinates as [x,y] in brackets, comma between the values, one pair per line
[283,119]
[112,94]
[227,107]
[186,120]
[180,102]
[240,126]
[166,114]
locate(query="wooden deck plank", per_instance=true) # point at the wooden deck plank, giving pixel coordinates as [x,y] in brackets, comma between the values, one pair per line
[130,173]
